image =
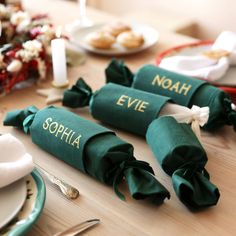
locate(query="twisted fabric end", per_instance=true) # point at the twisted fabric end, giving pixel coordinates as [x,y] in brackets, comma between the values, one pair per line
[230,109]
[199,117]
[21,118]
[117,72]
[194,189]
[78,96]
[200,114]
[141,181]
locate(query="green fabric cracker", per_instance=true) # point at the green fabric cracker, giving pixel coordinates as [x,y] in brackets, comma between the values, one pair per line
[129,109]
[181,156]
[90,148]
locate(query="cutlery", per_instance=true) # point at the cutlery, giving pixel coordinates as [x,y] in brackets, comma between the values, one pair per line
[79,228]
[69,191]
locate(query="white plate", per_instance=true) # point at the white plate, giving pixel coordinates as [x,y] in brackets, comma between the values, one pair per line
[12,198]
[31,209]
[150,38]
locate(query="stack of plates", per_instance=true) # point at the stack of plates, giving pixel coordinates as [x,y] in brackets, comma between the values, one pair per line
[21,204]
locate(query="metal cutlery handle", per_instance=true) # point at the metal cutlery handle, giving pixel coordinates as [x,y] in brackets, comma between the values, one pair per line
[68,190]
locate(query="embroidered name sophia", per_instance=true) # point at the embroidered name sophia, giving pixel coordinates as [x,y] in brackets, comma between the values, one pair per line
[167,83]
[132,103]
[64,133]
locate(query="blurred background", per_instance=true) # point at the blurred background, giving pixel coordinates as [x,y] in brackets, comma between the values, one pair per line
[203,19]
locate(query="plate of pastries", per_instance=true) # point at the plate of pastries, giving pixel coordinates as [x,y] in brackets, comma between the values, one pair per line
[116,38]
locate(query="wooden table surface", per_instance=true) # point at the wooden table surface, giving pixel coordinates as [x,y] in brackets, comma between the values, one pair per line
[99,201]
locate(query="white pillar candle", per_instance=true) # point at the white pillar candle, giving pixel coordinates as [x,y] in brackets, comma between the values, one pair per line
[59,61]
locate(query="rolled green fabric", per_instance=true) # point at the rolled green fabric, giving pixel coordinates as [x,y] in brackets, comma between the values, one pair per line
[90,148]
[129,109]
[182,89]
[181,156]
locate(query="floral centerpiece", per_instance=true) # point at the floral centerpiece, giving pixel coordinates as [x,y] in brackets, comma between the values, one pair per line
[25,43]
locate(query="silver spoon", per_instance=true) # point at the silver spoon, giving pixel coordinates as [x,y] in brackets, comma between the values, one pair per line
[69,191]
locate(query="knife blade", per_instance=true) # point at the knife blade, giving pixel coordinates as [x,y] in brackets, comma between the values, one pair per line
[79,228]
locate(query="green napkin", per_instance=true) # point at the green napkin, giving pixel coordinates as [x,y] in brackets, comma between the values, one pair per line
[129,109]
[181,156]
[183,90]
[90,148]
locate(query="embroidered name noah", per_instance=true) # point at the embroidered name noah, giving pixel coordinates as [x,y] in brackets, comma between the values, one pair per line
[166,83]
[64,133]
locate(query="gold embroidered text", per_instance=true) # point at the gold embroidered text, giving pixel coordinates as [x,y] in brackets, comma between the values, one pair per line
[64,133]
[132,103]
[167,83]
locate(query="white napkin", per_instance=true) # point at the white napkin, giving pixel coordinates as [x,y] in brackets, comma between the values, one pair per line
[15,163]
[202,66]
